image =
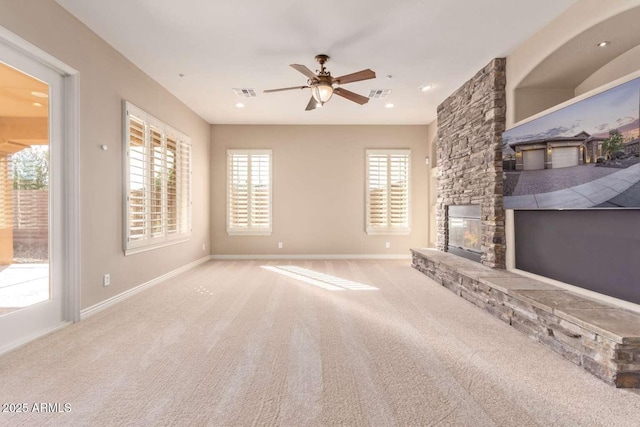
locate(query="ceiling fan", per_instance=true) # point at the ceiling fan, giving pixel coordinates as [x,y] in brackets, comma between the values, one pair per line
[323,85]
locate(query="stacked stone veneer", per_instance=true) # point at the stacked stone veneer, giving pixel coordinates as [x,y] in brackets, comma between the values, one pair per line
[632,147]
[469,156]
[601,338]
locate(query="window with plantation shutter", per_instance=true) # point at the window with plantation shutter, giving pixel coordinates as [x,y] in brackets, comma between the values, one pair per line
[249,192]
[387,192]
[157,206]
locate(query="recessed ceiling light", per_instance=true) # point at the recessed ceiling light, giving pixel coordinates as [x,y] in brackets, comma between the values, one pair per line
[40,94]
[389,105]
[604,43]
[425,88]
[37,104]
[240,105]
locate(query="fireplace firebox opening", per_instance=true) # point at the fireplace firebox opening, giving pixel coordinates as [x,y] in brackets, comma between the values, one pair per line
[464,231]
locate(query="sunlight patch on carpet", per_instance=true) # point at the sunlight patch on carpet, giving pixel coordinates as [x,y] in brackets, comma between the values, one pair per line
[325,281]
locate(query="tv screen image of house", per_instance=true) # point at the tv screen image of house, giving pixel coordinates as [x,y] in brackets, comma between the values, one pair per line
[583,155]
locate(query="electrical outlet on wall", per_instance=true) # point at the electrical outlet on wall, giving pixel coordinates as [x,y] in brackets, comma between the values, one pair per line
[106,280]
[387,245]
[280,245]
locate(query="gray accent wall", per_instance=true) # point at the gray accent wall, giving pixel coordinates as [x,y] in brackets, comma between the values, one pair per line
[595,249]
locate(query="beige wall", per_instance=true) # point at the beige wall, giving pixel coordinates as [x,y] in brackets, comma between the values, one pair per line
[623,65]
[581,16]
[432,137]
[531,101]
[318,188]
[106,78]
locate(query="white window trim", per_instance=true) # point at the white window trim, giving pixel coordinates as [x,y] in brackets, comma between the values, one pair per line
[250,231]
[151,243]
[387,231]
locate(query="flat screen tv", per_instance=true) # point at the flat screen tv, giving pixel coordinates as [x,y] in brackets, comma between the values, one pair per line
[583,154]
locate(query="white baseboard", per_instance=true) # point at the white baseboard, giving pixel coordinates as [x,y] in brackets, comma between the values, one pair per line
[313,256]
[89,311]
[26,340]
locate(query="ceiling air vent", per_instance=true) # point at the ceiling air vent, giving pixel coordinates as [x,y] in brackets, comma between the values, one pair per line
[245,93]
[379,93]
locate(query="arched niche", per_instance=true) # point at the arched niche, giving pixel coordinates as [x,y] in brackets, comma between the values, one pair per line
[579,65]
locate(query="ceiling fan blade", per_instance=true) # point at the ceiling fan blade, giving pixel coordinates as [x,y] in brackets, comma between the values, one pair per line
[285,88]
[311,105]
[355,77]
[304,70]
[351,96]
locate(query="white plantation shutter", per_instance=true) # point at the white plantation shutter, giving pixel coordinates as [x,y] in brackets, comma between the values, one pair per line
[138,214]
[171,207]
[399,191]
[377,190]
[387,192]
[249,192]
[238,191]
[183,186]
[157,183]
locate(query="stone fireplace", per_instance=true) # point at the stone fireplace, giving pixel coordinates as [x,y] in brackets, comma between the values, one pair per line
[469,159]
[602,339]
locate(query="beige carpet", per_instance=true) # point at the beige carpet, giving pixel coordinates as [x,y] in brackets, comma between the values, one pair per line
[301,344]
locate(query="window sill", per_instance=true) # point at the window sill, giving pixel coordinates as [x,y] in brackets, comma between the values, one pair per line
[388,232]
[157,245]
[249,232]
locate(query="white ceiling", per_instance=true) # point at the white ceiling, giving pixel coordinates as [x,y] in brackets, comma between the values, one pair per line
[221,45]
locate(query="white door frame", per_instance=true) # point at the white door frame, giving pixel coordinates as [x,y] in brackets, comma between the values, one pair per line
[70,179]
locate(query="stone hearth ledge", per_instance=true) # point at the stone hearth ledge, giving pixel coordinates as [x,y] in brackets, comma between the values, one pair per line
[603,339]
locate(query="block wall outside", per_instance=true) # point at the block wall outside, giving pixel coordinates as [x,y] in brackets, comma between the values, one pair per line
[30,217]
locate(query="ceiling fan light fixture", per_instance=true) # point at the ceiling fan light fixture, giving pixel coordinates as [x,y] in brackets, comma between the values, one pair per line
[321,84]
[322,92]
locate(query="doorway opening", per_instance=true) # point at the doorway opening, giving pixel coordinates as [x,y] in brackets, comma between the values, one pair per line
[24,190]
[39,193]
